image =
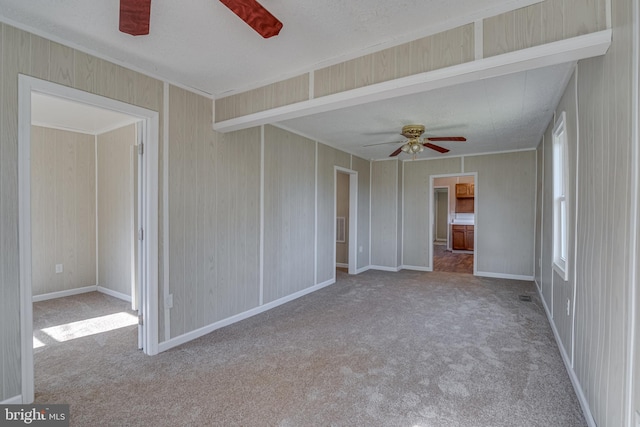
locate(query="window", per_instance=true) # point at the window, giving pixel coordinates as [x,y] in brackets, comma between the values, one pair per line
[560,178]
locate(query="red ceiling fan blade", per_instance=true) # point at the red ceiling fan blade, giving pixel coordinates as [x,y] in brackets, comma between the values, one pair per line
[436,147]
[395,153]
[256,16]
[447,138]
[134,17]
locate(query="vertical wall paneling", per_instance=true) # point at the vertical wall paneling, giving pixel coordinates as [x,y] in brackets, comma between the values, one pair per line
[507,184]
[384,206]
[537,277]
[399,212]
[546,273]
[15,59]
[116,233]
[62,210]
[363,167]
[417,208]
[328,157]
[289,213]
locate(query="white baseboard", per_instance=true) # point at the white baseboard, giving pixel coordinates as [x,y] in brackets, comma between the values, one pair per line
[114,294]
[189,336]
[504,276]
[584,404]
[342,265]
[363,269]
[384,268]
[415,268]
[15,400]
[62,294]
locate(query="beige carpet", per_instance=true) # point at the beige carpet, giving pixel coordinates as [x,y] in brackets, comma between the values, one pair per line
[379,349]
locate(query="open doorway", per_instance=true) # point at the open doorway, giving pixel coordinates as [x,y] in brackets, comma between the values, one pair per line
[345,202]
[453,223]
[71,240]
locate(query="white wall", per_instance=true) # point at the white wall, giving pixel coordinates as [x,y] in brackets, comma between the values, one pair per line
[116,209]
[63,210]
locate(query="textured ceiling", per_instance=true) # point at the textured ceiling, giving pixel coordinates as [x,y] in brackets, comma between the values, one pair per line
[498,114]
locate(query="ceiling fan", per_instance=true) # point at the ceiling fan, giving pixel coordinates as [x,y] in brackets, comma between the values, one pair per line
[414,145]
[135,16]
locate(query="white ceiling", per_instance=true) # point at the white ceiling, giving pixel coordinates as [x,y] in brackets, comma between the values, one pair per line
[203,45]
[63,114]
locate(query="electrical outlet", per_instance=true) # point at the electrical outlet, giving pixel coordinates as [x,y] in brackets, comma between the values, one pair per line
[568,306]
[58,268]
[168,301]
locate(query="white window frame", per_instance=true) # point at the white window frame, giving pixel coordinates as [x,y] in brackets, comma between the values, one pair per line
[560,210]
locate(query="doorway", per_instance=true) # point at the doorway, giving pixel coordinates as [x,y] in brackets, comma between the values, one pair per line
[146,260]
[453,219]
[345,201]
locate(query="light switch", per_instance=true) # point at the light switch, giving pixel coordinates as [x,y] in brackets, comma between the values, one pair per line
[58,268]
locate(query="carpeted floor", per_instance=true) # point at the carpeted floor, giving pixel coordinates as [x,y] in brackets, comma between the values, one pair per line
[378,349]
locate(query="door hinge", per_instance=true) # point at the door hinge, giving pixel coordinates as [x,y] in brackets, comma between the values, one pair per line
[140,320]
[141,149]
[141,234]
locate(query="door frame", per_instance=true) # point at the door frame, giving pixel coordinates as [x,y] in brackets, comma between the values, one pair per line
[435,188]
[148,263]
[353,216]
[475,217]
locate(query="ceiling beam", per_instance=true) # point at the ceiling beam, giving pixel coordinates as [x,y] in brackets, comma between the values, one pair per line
[563,51]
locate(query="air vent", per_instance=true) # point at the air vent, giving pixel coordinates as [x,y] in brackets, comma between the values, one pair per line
[526,298]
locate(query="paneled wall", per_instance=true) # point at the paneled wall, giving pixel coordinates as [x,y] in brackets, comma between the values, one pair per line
[116,209]
[328,157]
[598,101]
[544,22]
[384,213]
[545,207]
[63,210]
[505,210]
[363,167]
[506,183]
[22,52]
[214,187]
[604,207]
[289,214]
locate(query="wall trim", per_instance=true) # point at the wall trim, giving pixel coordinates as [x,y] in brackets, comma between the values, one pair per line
[15,400]
[112,293]
[66,293]
[189,336]
[384,268]
[363,269]
[415,268]
[505,276]
[584,404]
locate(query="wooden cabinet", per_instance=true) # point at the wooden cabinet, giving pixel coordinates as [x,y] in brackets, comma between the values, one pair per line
[465,191]
[462,237]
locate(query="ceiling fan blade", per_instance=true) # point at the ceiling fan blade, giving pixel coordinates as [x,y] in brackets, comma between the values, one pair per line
[447,138]
[395,153]
[256,16]
[383,143]
[436,147]
[134,17]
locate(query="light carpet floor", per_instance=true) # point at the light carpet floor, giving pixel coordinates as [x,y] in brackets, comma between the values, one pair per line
[378,349]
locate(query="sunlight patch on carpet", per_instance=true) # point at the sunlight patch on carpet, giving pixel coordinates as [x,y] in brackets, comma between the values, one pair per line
[95,325]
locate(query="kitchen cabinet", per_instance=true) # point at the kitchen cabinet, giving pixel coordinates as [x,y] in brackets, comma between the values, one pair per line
[462,237]
[465,191]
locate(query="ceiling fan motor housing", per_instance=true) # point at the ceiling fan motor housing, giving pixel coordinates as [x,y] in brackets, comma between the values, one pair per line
[412,131]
